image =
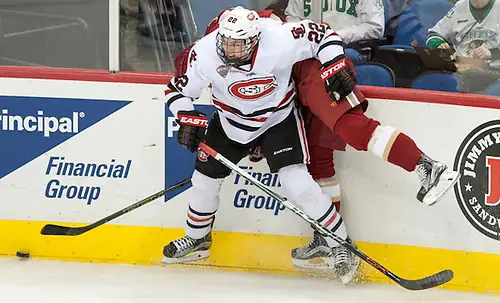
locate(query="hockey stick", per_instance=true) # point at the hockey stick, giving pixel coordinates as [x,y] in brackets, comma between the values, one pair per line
[58,230]
[428,282]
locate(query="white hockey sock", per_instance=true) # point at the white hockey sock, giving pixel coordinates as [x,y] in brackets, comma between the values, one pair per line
[203,204]
[301,188]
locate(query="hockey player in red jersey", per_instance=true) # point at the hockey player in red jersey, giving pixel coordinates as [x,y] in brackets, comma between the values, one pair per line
[336,116]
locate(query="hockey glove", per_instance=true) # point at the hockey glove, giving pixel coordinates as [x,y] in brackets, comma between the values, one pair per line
[192,129]
[339,77]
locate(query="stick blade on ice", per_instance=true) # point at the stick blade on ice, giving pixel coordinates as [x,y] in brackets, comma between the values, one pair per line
[428,282]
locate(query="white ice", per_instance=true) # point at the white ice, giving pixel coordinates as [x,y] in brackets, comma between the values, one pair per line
[37,281]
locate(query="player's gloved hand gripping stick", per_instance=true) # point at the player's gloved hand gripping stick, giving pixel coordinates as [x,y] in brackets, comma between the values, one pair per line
[428,282]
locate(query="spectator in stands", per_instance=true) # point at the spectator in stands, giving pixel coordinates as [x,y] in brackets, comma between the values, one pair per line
[392,10]
[165,22]
[471,26]
[355,21]
[278,6]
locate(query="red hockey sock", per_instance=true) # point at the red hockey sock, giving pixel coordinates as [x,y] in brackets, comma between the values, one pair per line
[404,153]
[321,165]
[337,205]
[386,142]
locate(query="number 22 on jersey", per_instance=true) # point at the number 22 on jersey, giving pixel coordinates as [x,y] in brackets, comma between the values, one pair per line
[340,6]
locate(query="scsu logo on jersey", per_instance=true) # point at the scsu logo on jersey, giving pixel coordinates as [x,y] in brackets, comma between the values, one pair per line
[478,191]
[250,90]
[202,156]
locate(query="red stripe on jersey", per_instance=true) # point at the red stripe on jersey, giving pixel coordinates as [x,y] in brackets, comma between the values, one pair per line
[261,119]
[332,34]
[230,109]
[287,97]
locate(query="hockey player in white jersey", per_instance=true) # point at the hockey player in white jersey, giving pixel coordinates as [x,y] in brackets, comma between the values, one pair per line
[248,63]
[471,26]
[352,20]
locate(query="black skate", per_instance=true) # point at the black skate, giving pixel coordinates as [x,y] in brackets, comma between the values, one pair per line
[187,249]
[346,263]
[314,255]
[436,179]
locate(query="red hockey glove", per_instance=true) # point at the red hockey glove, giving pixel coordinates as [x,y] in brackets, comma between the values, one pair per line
[192,129]
[339,77]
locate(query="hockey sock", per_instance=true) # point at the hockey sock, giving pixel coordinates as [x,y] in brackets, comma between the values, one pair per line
[395,147]
[300,187]
[386,142]
[332,189]
[203,204]
[321,165]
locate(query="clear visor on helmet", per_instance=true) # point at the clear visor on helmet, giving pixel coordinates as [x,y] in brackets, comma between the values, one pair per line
[235,51]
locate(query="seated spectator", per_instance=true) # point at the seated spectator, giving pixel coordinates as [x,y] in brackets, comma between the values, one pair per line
[393,10]
[278,6]
[471,29]
[165,22]
[353,20]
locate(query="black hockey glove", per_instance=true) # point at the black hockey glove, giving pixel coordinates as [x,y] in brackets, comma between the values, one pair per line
[192,129]
[339,77]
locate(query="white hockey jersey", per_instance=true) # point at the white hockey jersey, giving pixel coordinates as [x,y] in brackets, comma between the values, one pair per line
[353,20]
[252,98]
[462,27]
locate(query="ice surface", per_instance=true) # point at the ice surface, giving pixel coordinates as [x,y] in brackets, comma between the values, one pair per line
[37,281]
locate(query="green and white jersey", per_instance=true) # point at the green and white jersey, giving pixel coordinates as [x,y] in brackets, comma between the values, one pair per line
[467,28]
[353,20]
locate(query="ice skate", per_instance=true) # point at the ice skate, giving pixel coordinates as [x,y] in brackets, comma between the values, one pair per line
[187,249]
[314,255]
[346,263]
[436,179]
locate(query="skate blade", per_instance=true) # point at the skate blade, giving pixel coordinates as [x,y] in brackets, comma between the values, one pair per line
[349,277]
[317,263]
[192,257]
[446,181]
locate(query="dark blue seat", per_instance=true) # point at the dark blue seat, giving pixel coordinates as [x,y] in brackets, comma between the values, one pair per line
[437,80]
[493,89]
[373,74]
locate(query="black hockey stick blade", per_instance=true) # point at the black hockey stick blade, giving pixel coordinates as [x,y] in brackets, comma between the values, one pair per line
[428,282]
[58,230]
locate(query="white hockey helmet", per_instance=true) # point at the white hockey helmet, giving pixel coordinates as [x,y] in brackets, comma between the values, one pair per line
[238,35]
